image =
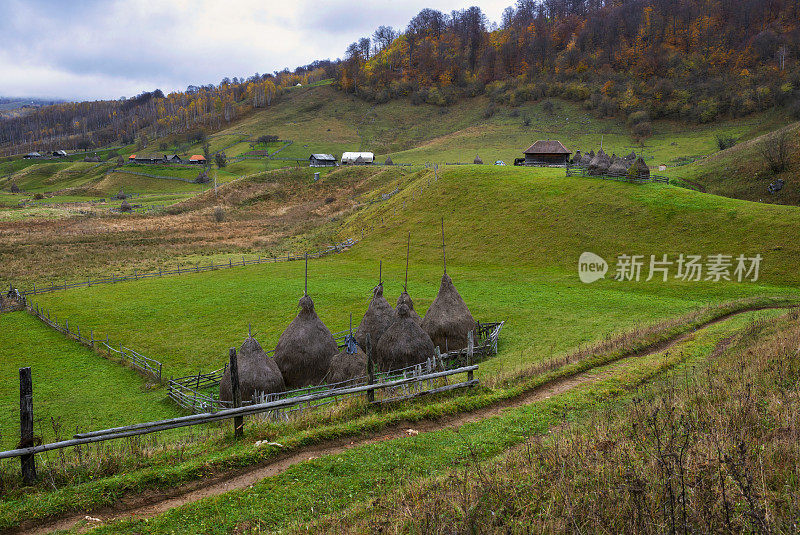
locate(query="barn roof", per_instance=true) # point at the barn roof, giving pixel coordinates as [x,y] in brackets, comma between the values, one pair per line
[197,158]
[132,156]
[551,146]
[324,157]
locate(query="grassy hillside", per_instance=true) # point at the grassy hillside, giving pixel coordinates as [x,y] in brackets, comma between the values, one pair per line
[73,387]
[743,171]
[514,238]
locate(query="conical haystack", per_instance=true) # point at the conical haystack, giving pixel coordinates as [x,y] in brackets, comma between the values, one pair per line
[305,348]
[600,164]
[125,206]
[477,160]
[639,170]
[448,320]
[405,299]
[388,161]
[14,187]
[347,366]
[403,344]
[618,168]
[377,318]
[258,372]
[576,160]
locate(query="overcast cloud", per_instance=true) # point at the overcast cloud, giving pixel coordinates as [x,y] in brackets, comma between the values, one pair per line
[91,49]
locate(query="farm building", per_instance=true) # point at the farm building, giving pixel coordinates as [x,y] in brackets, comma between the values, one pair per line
[322,160]
[60,153]
[549,152]
[357,158]
[149,158]
[198,159]
[32,155]
[173,158]
[131,158]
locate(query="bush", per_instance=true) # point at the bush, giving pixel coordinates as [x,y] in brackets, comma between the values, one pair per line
[638,117]
[725,141]
[221,159]
[219,214]
[642,130]
[38,196]
[490,110]
[548,107]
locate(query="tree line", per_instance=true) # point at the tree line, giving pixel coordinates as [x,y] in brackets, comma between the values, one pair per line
[693,60]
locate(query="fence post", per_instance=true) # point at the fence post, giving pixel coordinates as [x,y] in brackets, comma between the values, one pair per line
[238,421]
[370,370]
[28,463]
[91,337]
[470,350]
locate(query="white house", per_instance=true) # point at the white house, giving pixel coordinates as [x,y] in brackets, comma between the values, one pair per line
[357,158]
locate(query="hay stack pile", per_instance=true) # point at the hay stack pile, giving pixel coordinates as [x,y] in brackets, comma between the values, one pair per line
[617,167]
[600,164]
[388,161]
[305,348]
[403,344]
[258,373]
[639,170]
[477,160]
[576,160]
[350,363]
[376,320]
[448,321]
[405,299]
[14,187]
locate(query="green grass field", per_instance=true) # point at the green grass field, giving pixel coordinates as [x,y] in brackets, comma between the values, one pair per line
[516,263]
[73,387]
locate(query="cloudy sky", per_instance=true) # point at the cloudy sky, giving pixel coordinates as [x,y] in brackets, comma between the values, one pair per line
[96,49]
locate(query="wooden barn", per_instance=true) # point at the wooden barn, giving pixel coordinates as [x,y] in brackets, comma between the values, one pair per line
[549,152]
[149,158]
[173,158]
[322,160]
[32,155]
[59,154]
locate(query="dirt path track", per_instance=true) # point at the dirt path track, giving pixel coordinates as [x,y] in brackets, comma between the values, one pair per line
[156,502]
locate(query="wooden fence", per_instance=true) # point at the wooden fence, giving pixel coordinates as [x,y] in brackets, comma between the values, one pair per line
[577,170]
[193,392]
[27,452]
[212,266]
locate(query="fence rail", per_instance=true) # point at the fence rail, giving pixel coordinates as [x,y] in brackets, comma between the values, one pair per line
[248,410]
[576,170]
[331,249]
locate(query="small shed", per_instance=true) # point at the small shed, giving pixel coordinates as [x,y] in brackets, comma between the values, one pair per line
[173,158]
[358,158]
[149,158]
[32,155]
[322,160]
[549,152]
[197,159]
[131,158]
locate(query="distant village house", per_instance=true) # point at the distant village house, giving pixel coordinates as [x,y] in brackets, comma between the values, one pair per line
[32,155]
[197,159]
[60,153]
[549,152]
[357,158]
[322,160]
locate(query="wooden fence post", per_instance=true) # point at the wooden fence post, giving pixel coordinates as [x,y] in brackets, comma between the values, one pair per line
[370,370]
[28,462]
[470,350]
[238,421]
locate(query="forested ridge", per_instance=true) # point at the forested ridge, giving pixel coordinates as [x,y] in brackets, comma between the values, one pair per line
[694,60]
[688,60]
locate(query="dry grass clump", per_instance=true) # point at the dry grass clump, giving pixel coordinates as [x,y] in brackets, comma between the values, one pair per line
[716,451]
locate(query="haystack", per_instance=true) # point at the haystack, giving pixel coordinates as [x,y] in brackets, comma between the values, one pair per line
[576,160]
[350,363]
[388,161]
[448,320]
[403,344]
[600,164]
[639,170]
[125,206]
[14,187]
[405,299]
[618,168]
[258,373]
[377,318]
[305,348]
[477,160]
[631,157]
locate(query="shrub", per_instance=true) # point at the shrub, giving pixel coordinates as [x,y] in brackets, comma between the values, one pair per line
[725,141]
[329,200]
[490,110]
[38,196]
[219,214]
[642,130]
[638,117]
[547,106]
[221,159]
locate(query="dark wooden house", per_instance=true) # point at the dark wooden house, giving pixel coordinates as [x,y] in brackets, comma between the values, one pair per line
[549,152]
[173,158]
[322,160]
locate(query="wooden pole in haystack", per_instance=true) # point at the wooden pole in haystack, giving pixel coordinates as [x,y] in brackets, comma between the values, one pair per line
[380,273]
[408,250]
[305,289]
[444,256]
